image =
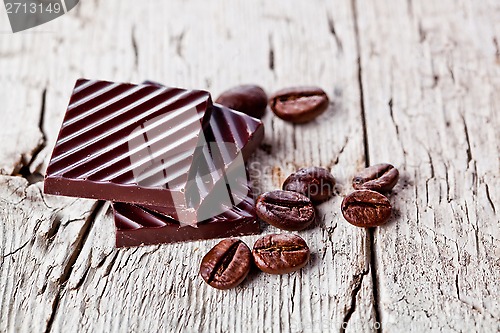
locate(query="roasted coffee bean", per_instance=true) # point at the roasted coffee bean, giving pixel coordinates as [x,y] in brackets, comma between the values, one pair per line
[379,177]
[314,182]
[299,104]
[366,208]
[280,253]
[285,210]
[227,264]
[248,98]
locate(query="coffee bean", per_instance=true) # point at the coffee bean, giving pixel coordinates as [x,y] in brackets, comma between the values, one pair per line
[366,208]
[379,177]
[314,182]
[285,210]
[227,264]
[248,98]
[280,253]
[299,104]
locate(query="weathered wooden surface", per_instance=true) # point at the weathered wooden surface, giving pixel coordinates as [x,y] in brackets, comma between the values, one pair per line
[414,83]
[431,100]
[41,239]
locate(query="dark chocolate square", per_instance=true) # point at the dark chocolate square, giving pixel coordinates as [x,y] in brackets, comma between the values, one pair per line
[130,143]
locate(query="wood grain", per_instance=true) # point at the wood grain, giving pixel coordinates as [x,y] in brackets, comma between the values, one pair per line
[411,83]
[41,237]
[431,102]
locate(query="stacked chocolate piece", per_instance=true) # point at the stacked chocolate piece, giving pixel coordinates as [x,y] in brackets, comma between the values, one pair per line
[172,162]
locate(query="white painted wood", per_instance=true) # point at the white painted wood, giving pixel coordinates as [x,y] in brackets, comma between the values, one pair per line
[436,263]
[430,74]
[116,290]
[20,136]
[40,240]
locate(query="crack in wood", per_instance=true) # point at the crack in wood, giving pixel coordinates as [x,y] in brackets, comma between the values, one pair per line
[271,53]
[497,48]
[42,197]
[421,32]
[467,140]
[84,233]
[417,209]
[68,268]
[337,158]
[55,307]
[431,164]
[178,44]
[331,26]
[146,254]
[489,198]
[360,83]
[357,283]
[135,48]
[452,74]
[329,238]
[84,276]
[25,169]
[391,113]
[370,235]
[53,229]
[446,176]
[375,280]
[18,249]
[208,83]
[110,265]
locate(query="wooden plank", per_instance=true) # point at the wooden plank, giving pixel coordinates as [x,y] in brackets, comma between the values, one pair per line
[157,288]
[20,137]
[430,107]
[430,77]
[24,70]
[40,240]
